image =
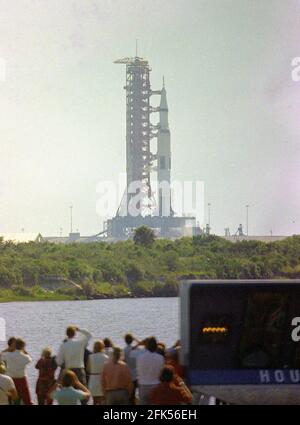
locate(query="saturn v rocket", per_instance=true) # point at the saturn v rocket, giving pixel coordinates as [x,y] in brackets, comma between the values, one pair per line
[153,211]
[164,158]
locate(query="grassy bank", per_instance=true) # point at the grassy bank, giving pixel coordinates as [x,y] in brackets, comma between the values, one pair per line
[9,295]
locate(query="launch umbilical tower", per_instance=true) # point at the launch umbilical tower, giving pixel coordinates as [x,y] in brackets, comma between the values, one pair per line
[153,211]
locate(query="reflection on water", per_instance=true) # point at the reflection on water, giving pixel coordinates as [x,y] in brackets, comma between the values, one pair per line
[43,324]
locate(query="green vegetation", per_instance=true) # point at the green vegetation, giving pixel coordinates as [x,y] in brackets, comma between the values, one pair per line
[144,236]
[9,295]
[137,268]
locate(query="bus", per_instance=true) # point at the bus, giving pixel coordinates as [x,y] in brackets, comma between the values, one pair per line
[240,339]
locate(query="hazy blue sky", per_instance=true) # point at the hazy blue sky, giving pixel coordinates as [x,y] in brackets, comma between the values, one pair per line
[234,109]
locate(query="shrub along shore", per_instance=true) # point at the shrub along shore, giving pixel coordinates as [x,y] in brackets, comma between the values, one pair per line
[143,267]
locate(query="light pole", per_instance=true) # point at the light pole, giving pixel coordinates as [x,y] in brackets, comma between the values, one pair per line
[209,205]
[247,219]
[71,218]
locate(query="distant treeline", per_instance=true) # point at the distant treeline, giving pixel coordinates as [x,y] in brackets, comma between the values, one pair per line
[139,268]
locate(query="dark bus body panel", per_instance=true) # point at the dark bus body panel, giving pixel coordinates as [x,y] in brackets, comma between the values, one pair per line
[239,337]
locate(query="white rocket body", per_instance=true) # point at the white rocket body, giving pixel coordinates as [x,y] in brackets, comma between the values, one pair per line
[164,158]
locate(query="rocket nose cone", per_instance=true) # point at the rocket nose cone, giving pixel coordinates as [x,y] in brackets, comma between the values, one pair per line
[163,99]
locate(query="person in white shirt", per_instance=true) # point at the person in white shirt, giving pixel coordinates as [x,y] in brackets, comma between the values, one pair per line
[108,347]
[96,363]
[7,387]
[149,366]
[71,352]
[16,363]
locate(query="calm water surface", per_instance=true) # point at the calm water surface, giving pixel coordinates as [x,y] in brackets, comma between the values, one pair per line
[43,324]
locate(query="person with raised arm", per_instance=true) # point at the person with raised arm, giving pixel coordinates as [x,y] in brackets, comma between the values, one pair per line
[171,391]
[71,352]
[16,362]
[70,391]
[130,352]
[11,345]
